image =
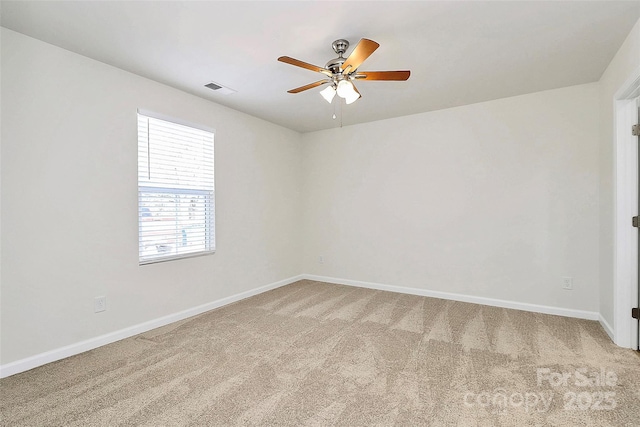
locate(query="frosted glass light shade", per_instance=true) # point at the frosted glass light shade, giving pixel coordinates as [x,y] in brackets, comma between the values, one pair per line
[352,97]
[328,93]
[345,88]
[347,91]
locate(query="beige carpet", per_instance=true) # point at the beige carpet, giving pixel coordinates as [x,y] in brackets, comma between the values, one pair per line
[320,354]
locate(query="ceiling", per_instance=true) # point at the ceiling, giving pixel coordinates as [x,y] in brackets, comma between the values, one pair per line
[458,52]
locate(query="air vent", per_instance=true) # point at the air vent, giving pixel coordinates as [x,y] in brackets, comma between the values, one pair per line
[219,89]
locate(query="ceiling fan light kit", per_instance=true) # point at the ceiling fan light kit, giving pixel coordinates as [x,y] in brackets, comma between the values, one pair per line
[340,72]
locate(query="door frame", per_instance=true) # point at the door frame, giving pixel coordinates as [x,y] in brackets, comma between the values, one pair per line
[625,328]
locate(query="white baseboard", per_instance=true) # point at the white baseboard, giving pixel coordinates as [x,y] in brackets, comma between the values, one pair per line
[606,326]
[558,311]
[80,347]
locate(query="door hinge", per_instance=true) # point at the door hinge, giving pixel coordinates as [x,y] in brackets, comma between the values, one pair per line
[635,130]
[634,221]
[635,313]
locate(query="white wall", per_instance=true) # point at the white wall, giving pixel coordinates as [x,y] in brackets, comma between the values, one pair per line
[625,63]
[496,200]
[69,214]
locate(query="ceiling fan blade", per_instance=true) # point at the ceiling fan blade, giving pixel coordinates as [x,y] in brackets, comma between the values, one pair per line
[298,63]
[383,75]
[362,51]
[309,86]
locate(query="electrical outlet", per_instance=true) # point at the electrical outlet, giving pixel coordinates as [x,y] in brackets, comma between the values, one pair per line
[99,304]
[567,283]
[321,259]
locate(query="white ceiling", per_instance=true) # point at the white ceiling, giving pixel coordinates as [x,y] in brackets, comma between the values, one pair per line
[458,52]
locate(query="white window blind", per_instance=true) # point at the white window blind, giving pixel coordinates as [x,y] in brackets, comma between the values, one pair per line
[176,206]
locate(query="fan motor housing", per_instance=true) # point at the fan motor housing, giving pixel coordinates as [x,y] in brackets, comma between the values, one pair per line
[335,65]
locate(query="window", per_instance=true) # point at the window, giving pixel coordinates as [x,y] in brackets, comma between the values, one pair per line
[176,207]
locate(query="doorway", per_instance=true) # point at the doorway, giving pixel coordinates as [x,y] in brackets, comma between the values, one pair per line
[636,223]
[627,205]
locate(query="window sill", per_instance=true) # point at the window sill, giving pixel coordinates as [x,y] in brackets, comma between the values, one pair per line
[176,257]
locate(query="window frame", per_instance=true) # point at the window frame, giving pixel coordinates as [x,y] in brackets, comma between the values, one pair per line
[209,195]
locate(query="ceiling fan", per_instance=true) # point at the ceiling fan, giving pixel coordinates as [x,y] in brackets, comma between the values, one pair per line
[340,72]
